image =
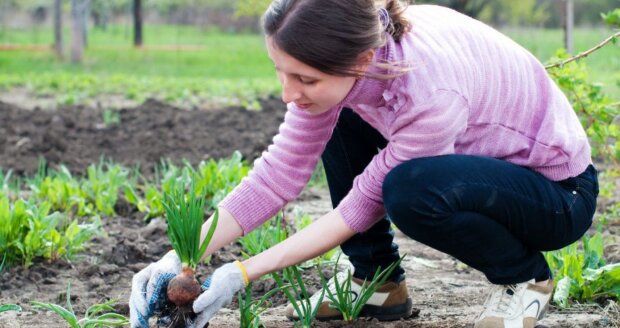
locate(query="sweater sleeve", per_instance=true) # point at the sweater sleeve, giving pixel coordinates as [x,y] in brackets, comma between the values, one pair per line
[427,129]
[283,170]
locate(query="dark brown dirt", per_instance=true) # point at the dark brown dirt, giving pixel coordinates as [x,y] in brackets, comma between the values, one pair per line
[445,293]
[78,136]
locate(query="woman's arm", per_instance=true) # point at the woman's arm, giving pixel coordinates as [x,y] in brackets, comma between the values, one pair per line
[227,231]
[322,235]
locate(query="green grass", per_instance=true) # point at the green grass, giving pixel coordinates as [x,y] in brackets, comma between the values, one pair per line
[177,63]
[211,54]
[181,63]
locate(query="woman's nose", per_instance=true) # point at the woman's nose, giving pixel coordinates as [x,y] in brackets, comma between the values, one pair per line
[290,92]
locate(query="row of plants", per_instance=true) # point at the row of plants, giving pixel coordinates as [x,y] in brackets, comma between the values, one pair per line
[53,213]
[68,88]
[184,202]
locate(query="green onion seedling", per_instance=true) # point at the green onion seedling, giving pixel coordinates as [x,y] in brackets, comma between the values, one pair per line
[185,215]
[343,300]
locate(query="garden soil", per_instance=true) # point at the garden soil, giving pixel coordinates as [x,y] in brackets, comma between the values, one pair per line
[445,292]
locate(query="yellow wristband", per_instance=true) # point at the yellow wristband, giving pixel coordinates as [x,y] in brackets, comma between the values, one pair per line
[245,273]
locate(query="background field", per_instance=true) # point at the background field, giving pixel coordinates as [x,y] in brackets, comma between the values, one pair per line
[192,65]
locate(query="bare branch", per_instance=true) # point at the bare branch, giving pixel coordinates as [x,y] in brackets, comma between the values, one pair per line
[585,53]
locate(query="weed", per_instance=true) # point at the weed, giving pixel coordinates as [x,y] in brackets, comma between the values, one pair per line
[111,117]
[98,315]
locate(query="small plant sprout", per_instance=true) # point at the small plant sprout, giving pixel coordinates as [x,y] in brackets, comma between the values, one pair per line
[111,117]
[185,214]
[98,315]
[348,302]
[298,295]
[250,310]
[10,307]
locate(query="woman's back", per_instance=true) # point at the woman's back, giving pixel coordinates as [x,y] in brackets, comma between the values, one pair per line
[516,112]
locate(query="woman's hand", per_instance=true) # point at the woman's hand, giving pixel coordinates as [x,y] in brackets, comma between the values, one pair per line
[320,236]
[148,289]
[221,288]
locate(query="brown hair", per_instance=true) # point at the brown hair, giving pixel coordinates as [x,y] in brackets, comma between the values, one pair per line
[330,35]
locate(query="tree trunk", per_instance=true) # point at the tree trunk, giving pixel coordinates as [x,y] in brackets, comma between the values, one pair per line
[137,23]
[58,46]
[77,39]
[569,23]
[85,17]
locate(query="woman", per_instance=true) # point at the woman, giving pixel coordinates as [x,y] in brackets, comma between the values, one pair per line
[424,118]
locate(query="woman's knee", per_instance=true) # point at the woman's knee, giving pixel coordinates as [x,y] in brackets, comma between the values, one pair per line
[394,192]
[407,191]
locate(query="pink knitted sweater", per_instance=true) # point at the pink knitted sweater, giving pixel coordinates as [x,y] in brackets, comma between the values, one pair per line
[471,91]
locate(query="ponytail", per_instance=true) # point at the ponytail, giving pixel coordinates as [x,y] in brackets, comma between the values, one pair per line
[398,24]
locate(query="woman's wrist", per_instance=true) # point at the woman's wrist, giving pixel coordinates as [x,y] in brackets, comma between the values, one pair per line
[256,268]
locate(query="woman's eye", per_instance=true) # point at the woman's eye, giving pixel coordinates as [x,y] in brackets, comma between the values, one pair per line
[307,81]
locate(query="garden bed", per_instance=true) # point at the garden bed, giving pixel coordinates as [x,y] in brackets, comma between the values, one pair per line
[445,293]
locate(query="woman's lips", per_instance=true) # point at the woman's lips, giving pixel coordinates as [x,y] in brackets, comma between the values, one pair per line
[303,106]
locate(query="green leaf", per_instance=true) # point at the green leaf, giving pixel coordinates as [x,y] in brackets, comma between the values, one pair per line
[562,291]
[205,242]
[10,307]
[98,308]
[67,315]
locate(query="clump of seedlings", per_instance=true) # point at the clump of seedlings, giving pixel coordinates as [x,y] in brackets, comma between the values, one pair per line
[98,315]
[185,215]
[251,309]
[351,304]
[297,293]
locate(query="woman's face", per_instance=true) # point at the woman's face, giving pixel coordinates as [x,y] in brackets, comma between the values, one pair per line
[310,89]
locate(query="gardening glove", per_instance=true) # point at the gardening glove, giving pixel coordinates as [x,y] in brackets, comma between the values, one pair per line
[148,289]
[221,288]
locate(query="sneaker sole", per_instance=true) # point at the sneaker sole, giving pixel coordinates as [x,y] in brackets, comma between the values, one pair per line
[381,313]
[388,313]
[332,318]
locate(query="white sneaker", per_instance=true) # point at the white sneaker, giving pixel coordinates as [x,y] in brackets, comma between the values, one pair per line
[515,306]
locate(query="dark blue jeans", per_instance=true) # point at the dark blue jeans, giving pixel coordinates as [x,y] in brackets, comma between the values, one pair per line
[492,215]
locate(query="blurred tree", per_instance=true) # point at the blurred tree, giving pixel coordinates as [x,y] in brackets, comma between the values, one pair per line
[569,24]
[471,8]
[137,23]
[589,11]
[549,13]
[79,17]
[251,8]
[58,46]
[523,12]
[101,11]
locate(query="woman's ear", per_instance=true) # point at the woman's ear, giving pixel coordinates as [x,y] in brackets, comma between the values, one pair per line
[364,60]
